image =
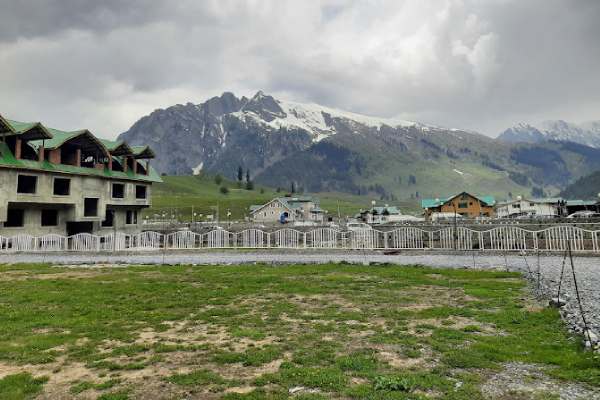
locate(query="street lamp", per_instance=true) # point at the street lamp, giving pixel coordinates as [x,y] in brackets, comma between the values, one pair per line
[228,221]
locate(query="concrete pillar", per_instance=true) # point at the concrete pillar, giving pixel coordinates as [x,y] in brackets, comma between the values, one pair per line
[41,153]
[135,164]
[147,167]
[18,148]
[125,161]
[110,162]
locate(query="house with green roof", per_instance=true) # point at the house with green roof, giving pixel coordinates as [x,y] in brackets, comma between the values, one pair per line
[464,204]
[69,182]
[288,209]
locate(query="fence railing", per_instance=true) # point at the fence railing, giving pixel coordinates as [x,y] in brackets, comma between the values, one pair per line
[502,238]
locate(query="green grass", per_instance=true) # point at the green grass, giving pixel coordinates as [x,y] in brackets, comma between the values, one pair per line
[345,331]
[200,377]
[202,193]
[20,386]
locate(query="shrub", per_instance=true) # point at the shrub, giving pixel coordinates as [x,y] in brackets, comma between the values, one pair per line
[394,383]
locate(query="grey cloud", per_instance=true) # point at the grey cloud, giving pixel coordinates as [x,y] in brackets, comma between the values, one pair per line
[479,65]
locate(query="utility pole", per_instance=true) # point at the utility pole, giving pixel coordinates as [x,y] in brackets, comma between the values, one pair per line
[454,236]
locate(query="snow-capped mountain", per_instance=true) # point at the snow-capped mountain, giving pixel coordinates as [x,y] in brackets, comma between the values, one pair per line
[198,136]
[558,130]
[321,148]
[522,132]
[313,118]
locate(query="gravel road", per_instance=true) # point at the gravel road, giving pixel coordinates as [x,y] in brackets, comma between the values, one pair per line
[587,269]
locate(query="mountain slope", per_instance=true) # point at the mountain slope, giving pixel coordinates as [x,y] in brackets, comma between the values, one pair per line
[585,188]
[324,149]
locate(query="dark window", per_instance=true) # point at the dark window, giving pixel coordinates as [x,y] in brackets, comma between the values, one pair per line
[463,205]
[140,192]
[110,218]
[26,184]
[15,218]
[62,187]
[90,207]
[49,217]
[118,190]
[131,217]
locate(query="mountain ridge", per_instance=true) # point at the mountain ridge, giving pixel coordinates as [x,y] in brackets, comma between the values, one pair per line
[320,148]
[587,133]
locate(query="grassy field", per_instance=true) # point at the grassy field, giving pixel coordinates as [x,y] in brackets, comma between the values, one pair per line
[202,193]
[302,332]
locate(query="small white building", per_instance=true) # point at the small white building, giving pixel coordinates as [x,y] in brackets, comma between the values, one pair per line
[383,215]
[288,209]
[533,207]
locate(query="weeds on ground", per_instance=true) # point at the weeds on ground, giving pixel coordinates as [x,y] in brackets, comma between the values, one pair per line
[249,332]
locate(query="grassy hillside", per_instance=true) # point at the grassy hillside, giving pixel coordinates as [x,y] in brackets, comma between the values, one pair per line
[178,194]
[586,188]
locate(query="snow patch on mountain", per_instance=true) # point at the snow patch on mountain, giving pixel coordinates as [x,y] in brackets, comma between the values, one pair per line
[557,130]
[310,117]
[198,169]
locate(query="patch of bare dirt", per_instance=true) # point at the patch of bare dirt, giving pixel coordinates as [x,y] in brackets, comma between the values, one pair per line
[424,297]
[453,322]
[319,301]
[395,357]
[60,374]
[240,389]
[238,371]
[22,276]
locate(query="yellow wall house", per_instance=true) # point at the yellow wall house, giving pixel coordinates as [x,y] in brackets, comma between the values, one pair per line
[464,204]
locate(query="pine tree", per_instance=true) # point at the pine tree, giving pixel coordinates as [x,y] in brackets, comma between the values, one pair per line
[293,187]
[247,175]
[240,175]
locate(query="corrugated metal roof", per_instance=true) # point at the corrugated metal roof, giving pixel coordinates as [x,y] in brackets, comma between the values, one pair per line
[142,152]
[29,130]
[7,159]
[581,203]
[432,203]
[380,210]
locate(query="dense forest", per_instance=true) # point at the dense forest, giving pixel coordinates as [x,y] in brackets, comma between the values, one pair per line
[585,188]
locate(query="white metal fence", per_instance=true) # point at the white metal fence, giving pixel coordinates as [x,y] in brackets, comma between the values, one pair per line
[502,238]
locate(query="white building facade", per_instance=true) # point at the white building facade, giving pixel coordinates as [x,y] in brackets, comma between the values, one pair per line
[528,207]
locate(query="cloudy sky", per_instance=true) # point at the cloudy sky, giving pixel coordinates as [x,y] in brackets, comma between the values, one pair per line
[473,64]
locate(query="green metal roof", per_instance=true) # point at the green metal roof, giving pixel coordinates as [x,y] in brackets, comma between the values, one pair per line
[34,130]
[5,127]
[8,160]
[21,126]
[36,134]
[432,203]
[117,147]
[142,152]
[58,138]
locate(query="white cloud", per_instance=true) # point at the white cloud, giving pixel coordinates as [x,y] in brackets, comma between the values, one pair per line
[462,63]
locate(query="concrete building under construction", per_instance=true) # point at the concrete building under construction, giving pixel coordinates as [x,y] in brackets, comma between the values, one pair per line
[66,183]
